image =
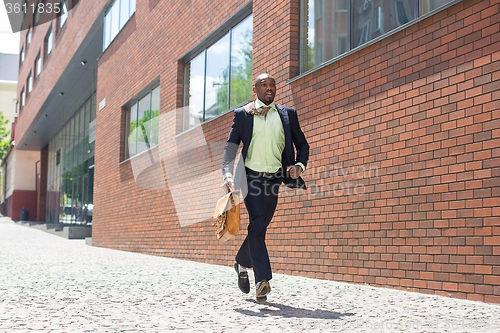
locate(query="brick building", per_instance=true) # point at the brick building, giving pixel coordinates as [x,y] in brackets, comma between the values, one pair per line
[399,101]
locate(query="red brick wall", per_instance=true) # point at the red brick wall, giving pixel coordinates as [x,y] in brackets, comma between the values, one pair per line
[18,200]
[404,170]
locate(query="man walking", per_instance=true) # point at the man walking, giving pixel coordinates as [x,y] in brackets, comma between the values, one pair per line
[269,132]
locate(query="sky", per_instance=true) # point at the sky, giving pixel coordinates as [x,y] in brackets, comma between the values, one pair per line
[9,42]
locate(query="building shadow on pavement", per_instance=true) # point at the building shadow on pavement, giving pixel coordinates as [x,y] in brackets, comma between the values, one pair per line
[286,311]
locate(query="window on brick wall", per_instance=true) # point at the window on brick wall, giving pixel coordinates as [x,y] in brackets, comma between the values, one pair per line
[429,5]
[29,83]
[142,123]
[64,13]
[49,38]
[331,28]
[21,56]
[28,37]
[219,77]
[38,65]
[23,98]
[37,14]
[117,15]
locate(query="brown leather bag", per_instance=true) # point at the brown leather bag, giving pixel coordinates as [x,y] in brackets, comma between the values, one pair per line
[227,216]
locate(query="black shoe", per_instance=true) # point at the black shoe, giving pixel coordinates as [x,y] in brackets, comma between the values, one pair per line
[243,282]
[262,289]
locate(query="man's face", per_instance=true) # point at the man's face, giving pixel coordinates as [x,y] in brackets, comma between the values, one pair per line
[265,89]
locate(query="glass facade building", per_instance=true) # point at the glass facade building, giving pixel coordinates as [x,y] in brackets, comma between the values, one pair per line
[70,179]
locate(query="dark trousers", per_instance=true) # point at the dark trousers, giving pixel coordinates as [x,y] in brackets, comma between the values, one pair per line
[260,202]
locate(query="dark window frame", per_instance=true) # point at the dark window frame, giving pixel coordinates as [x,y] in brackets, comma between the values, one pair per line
[28,36]
[121,25]
[38,65]
[21,57]
[23,99]
[46,51]
[203,46]
[303,40]
[126,120]
[60,25]
[29,83]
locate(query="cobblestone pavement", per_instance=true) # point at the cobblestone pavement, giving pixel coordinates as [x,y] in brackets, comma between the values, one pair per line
[51,284]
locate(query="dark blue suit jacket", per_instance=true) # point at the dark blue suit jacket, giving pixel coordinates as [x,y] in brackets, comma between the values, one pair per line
[242,131]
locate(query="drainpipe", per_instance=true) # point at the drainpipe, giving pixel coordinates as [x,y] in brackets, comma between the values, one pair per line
[36,190]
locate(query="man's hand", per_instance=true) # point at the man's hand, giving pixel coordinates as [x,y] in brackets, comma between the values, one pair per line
[229,184]
[294,171]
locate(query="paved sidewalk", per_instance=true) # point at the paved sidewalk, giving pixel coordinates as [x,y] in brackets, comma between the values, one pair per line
[51,284]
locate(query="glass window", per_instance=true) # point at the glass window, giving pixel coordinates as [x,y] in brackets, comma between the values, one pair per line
[87,117]
[38,65]
[92,118]
[371,19]
[93,108]
[82,120]
[241,63]
[48,42]
[30,82]
[22,55]
[37,14]
[342,5]
[318,9]
[124,12]
[49,202]
[141,124]
[116,18]
[23,97]
[64,13]
[132,7]
[132,133]
[429,5]
[155,117]
[194,74]
[68,165]
[143,117]
[72,143]
[57,200]
[128,138]
[107,30]
[219,78]
[326,33]
[331,28]
[28,37]
[68,196]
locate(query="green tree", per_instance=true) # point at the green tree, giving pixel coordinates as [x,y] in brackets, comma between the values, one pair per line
[310,56]
[149,124]
[4,136]
[241,78]
[241,75]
